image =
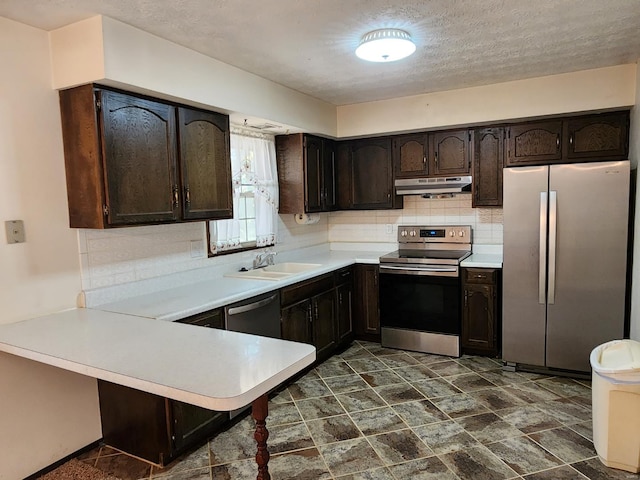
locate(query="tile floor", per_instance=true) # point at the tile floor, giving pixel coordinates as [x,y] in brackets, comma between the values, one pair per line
[372,413]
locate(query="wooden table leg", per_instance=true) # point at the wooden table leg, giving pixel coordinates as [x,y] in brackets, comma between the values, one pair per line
[259,411]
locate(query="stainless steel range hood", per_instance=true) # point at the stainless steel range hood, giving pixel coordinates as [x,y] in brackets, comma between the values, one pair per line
[432,186]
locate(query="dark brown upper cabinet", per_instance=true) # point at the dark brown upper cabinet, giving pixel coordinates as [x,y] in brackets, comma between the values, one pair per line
[124,167]
[365,173]
[603,136]
[488,161]
[411,155]
[534,143]
[205,165]
[450,153]
[306,173]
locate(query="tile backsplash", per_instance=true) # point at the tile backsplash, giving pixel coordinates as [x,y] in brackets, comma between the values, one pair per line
[122,255]
[117,256]
[382,225]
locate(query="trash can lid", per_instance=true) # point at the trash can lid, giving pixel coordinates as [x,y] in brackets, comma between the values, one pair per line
[616,356]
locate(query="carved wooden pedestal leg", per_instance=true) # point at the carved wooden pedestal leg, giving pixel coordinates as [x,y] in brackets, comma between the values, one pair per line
[259,411]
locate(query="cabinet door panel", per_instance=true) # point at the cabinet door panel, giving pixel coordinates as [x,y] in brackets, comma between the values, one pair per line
[367,301]
[534,143]
[205,164]
[345,324]
[488,161]
[598,137]
[324,333]
[140,159]
[479,321]
[329,175]
[313,173]
[410,156]
[191,422]
[371,174]
[450,153]
[295,322]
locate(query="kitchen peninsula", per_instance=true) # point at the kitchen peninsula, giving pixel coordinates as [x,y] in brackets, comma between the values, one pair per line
[181,362]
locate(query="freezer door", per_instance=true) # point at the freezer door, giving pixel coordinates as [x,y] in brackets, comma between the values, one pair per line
[524,264]
[587,292]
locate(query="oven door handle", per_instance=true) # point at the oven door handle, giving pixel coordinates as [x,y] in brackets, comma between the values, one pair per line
[433,271]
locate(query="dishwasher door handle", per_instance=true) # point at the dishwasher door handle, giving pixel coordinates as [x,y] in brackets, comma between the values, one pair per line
[252,306]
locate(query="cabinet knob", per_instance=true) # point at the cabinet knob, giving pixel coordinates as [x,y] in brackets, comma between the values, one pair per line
[187,195]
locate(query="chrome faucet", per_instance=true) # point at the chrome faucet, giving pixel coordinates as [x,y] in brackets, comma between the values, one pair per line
[263,259]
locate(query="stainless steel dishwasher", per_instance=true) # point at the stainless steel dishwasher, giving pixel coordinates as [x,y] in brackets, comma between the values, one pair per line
[257,315]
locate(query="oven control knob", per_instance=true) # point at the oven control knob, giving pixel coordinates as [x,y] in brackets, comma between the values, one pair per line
[452,233]
[461,233]
[412,233]
[403,233]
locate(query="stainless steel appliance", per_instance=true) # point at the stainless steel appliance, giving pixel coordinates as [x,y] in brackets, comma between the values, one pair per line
[258,315]
[420,289]
[432,186]
[565,262]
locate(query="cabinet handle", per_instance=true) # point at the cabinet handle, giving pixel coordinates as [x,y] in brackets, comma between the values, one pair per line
[175,196]
[340,298]
[466,298]
[316,310]
[571,139]
[309,313]
[424,160]
[187,195]
[557,141]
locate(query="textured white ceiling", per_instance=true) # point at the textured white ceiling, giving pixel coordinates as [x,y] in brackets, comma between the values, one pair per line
[308,45]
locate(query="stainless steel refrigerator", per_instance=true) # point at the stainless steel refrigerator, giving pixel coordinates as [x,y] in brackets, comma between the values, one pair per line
[565,261]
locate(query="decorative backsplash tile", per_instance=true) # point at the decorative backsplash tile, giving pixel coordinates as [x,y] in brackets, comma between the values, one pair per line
[373,225]
[119,256]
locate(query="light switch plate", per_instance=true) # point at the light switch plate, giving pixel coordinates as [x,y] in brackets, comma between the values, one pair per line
[15,231]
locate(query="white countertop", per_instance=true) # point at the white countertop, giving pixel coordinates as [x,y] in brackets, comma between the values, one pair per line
[210,368]
[186,300]
[483,260]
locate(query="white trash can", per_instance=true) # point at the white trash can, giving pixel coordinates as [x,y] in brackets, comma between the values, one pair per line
[616,403]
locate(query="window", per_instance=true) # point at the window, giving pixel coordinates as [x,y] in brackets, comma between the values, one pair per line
[255,195]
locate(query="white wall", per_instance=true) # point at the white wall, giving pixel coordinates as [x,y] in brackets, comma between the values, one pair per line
[142,62]
[38,405]
[634,157]
[570,92]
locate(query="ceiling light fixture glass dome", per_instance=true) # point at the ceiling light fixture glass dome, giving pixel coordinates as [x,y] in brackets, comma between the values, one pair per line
[385,45]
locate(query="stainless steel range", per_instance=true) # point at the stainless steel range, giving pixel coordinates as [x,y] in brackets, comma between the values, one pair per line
[420,291]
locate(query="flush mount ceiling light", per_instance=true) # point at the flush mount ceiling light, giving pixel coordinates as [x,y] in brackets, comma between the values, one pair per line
[385,45]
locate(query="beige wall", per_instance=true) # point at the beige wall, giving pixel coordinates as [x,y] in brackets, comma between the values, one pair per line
[38,405]
[142,62]
[570,92]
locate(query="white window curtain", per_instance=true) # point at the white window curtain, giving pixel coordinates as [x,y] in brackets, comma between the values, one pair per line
[253,169]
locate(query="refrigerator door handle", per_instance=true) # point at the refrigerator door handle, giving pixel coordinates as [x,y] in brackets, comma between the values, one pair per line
[553,211]
[543,249]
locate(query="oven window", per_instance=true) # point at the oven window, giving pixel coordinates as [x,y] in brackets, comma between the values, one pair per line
[424,303]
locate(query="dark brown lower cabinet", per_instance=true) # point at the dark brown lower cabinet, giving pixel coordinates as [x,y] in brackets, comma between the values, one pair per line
[344,296]
[366,304]
[481,312]
[308,314]
[152,427]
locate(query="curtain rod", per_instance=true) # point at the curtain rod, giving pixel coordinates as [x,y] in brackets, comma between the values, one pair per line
[247,132]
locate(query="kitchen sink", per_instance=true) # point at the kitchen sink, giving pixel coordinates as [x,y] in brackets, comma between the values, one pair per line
[291,267]
[275,272]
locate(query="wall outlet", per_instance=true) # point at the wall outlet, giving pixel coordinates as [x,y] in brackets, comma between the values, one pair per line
[197,248]
[15,231]
[389,228]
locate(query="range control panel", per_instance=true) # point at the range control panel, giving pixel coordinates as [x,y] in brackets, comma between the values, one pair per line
[439,234]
